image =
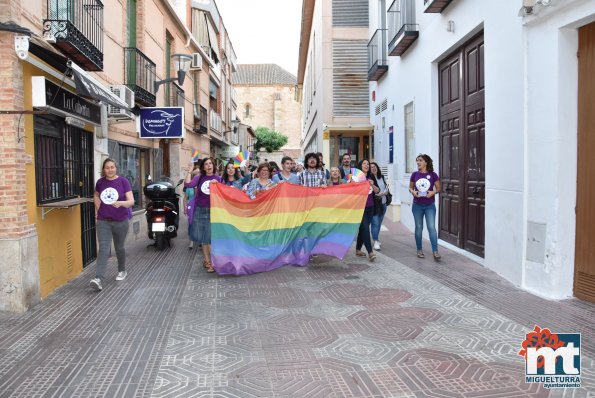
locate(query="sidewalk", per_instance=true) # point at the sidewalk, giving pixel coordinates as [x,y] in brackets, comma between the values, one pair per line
[400,327]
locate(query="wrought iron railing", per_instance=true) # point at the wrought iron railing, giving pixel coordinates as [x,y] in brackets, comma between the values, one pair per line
[401,17]
[76,26]
[177,96]
[377,49]
[215,122]
[139,76]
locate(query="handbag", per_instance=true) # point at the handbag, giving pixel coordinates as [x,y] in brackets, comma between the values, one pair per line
[389,198]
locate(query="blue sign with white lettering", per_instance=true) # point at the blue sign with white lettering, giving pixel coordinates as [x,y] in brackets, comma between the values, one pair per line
[390,144]
[165,122]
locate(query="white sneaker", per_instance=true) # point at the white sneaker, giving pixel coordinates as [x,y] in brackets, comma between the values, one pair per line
[121,276]
[376,245]
[95,284]
[191,245]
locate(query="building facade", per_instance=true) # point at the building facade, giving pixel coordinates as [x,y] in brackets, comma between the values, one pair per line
[72,83]
[266,98]
[467,84]
[333,80]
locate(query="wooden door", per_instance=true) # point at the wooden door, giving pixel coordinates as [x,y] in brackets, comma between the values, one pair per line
[462,147]
[450,143]
[584,263]
[474,143]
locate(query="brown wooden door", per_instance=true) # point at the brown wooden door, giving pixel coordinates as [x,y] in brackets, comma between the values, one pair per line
[584,263]
[450,143]
[462,147]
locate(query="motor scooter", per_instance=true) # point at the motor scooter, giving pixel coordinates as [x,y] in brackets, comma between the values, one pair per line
[162,211]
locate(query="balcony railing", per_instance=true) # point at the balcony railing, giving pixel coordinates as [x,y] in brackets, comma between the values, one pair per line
[402,29]
[139,76]
[377,59]
[201,124]
[215,122]
[77,28]
[435,6]
[177,95]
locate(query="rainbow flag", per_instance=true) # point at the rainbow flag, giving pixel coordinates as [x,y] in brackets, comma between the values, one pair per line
[282,226]
[195,156]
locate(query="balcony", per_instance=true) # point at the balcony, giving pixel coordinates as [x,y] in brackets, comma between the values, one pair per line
[139,76]
[435,6]
[377,59]
[201,119]
[77,28]
[215,122]
[402,29]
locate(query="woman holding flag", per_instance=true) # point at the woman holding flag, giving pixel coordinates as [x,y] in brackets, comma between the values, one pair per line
[201,224]
[363,236]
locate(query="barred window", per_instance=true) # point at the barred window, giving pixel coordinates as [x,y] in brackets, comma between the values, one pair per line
[57,159]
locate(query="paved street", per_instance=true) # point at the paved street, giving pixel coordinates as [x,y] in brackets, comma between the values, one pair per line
[400,327]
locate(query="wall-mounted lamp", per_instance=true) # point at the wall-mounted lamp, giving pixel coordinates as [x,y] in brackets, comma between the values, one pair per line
[182,64]
[235,123]
[533,7]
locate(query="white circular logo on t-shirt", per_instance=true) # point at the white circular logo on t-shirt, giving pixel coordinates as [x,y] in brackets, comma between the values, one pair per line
[109,196]
[423,185]
[206,187]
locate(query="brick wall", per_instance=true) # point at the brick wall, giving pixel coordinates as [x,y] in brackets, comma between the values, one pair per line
[13,160]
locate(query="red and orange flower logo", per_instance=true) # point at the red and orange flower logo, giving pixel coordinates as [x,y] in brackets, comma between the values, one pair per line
[540,338]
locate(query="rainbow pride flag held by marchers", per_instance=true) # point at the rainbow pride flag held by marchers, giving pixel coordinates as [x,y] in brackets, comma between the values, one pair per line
[282,226]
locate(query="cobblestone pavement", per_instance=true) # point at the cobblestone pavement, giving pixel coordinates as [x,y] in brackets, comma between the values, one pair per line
[400,327]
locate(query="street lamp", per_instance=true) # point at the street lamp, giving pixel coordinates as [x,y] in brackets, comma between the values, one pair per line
[235,123]
[182,65]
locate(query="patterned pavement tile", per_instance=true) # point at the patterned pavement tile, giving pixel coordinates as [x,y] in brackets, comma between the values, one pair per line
[400,327]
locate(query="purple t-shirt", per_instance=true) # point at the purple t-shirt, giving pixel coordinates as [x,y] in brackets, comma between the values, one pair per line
[424,182]
[203,191]
[111,191]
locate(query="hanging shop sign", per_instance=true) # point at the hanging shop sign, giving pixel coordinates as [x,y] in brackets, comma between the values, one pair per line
[163,122]
[57,100]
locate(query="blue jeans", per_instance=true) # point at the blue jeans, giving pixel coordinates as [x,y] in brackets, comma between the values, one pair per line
[363,236]
[419,211]
[377,223]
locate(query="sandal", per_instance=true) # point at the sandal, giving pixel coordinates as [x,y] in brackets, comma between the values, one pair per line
[420,254]
[360,253]
[209,266]
[437,256]
[372,257]
[205,263]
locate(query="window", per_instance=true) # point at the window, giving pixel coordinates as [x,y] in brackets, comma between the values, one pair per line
[409,138]
[196,90]
[167,90]
[132,165]
[248,109]
[58,150]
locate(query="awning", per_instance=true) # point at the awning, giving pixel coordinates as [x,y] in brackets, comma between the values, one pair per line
[87,86]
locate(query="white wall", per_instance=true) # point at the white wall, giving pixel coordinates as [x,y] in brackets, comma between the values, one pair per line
[551,92]
[414,77]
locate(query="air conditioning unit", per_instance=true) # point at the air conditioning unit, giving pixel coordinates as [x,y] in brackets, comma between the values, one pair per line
[196,61]
[126,95]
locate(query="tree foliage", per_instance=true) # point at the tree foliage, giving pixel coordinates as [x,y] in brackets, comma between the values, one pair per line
[269,139]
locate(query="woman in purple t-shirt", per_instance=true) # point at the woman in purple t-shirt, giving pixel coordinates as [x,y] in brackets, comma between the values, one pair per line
[113,199]
[200,230]
[424,185]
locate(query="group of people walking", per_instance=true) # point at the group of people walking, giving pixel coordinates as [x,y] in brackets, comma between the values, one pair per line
[113,200]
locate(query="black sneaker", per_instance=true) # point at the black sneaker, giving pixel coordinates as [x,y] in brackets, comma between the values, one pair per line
[96,284]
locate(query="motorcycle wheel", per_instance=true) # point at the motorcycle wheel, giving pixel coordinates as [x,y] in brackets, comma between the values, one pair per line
[159,241]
